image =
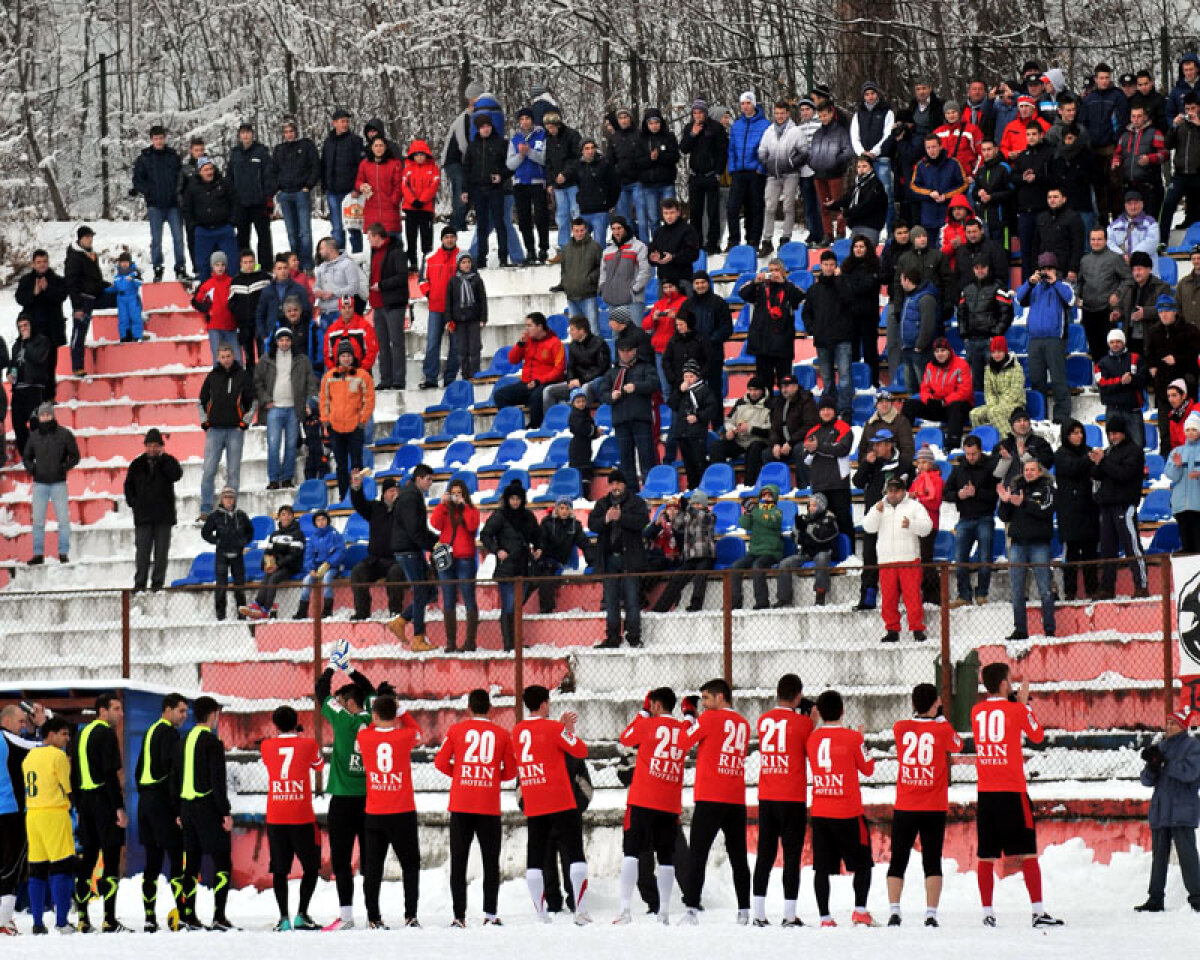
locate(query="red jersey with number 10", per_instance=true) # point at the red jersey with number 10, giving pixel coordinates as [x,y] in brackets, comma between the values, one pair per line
[540,744]
[923,771]
[782,740]
[477,756]
[387,759]
[722,736]
[837,756]
[658,774]
[998,725]
[289,760]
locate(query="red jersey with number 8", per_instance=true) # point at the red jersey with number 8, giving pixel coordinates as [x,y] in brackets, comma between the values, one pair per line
[837,756]
[782,741]
[387,759]
[998,725]
[289,760]
[721,736]
[923,770]
[539,744]
[658,774]
[477,756]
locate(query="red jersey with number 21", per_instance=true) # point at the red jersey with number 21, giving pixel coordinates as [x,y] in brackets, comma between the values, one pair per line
[387,759]
[540,744]
[923,771]
[837,756]
[658,774]
[720,738]
[999,725]
[782,743]
[477,756]
[289,760]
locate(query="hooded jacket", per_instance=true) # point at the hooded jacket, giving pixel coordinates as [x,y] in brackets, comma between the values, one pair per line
[896,542]
[764,524]
[816,532]
[696,528]
[955,229]
[960,141]
[1174,104]
[1003,391]
[779,150]
[347,399]
[466,296]
[1185,490]
[623,150]
[949,382]
[560,538]
[229,531]
[324,546]
[744,138]
[456,524]
[50,453]
[624,270]
[829,465]
[339,276]
[420,181]
[1119,475]
[826,312]
[660,170]
[1078,521]
[913,320]
[383,176]
[772,319]
[212,300]
[361,336]
[699,401]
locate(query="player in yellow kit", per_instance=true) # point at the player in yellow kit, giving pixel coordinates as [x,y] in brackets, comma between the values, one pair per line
[46,773]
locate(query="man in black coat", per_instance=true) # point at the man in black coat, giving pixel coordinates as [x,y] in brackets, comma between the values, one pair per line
[379,563]
[793,415]
[41,293]
[618,519]
[1119,470]
[972,489]
[252,172]
[714,323]
[587,359]
[31,375]
[156,178]
[486,177]
[298,171]
[87,289]
[389,299]
[411,539]
[674,247]
[1060,231]
[150,492]
[705,142]
[340,156]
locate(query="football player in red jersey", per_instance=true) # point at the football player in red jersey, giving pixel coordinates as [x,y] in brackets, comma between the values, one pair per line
[782,796]
[1003,815]
[654,804]
[720,738]
[391,820]
[478,756]
[837,756]
[541,745]
[291,824]
[924,743]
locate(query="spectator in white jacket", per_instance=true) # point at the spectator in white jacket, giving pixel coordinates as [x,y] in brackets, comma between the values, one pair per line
[779,153]
[336,275]
[899,522]
[1134,230]
[808,125]
[870,128]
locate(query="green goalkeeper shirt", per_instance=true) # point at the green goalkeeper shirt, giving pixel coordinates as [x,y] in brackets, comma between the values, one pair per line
[347,778]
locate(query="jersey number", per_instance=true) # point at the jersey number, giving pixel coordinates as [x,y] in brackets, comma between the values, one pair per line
[526,739]
[735,738]
[825,755]
[990,725]
[287,754]
[383,757]
[774,736]
[918,749]
[481,746]
[31,789]
[667,738]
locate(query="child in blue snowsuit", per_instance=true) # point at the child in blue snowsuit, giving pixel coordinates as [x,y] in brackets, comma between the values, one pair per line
[324,550]
[127,285]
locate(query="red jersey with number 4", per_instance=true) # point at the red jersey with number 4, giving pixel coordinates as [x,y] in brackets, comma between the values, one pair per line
[998,725]
[782,741]
[477,756]
[721,736]
[387,759]
[837,756]
[540,744]
[289,760]
[923,772]
[658,774]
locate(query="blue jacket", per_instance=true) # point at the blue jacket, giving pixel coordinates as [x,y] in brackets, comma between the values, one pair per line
[1182,88]
[1176,784]
[531,168]
[1185,492]
[126,286]
[324,546]
[270,305]
[943,175]
[1049,308]
[744,138]
[910,316]
[1104,114]
[1005,114]
[8,799]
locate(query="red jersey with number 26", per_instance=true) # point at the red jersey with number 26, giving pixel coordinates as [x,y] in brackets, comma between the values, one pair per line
[289,760]
[387,759]
[477,756]
[999,725]
[923,772]
[658,775]
[837,756]
[721,736]
[782,740]
[539,744]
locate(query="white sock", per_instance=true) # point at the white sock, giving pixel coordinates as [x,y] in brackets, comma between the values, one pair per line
[537,888]
[931,911]
[666,884]
[858,909]
[989,912]
[489,916]
[760,908]
[347,913]
[629,871]
[1038,909]
[579,878]
[789,909]
[895,908]
[8,904]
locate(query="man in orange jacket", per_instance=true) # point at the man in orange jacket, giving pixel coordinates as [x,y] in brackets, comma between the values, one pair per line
[543,362]
[347,402]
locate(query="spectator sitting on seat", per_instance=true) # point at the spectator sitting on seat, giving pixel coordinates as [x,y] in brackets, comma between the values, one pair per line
[887,416]
[816,536]
[347,397]
[630,387]
[695,406]
[283,558]
[898,522]
[1172,353]
[1003,387]
[1119,377]
[763,522]
[323,555]
[587,359]
[747,431]
[984,311]
[793,415]
[542,360]
[972,489]
[562,534]
[467,312]
[456,519]
[695,527]
[618,519]
[880,461]
[1118,471]
[912,324]
[662,546]
[926,489]
[1183,470]
[827,457]
[350,327]
[1020,442]
[1027,505]
[230,532]
[582,426]
[378,564]
[1078,518]
[946,393]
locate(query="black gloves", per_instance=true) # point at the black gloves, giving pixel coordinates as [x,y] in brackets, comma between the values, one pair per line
[1154,757]
[806,706]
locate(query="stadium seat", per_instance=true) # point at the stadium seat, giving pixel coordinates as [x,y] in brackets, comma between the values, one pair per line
[802,278]
[1035,404]
[262,526]
[744,359]
[558,325]
[930,435]
[787,515]
[500,365]
[468,477]
[509,452]
[458,396]
[841,548]
[357,529]
[202,570]
[1076,339]
[508,420]
[459,423]
[355,554]
[1156,507]
[794,255]
[311,495]
[665,416]
[734,294]
[1154,466]
[554,421]
[405,458]
[701,262]
[490,403]
[806,375]
[1018,338]
[608,454]
[662,481]
[556,454]
[344,505]
[897,381]
[988,436]
[717,480]
[509,475]
[603,416]
[253,560]
[650,294]
[727,513]
[1079,370]
[943,545]
[944,467]
[409,427]
[741,323]
[864,407]
[565,483]
[457,454]
[776,472]
[741,259]
[1191,237]
[1151,432]
[860,375]
[1168,271]
[1165,539]
[1093,435]
[956,342]
[729,551]
[841,248]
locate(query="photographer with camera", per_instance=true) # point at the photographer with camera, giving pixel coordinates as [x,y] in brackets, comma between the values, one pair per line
[1173,770]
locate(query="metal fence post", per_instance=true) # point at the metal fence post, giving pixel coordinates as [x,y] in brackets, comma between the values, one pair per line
[126,639]
[518,648]
[317,644]
[944,590]
[1164,580]
[727,625]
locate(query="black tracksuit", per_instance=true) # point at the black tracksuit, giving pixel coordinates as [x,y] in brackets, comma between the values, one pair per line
[202,751]
[1119,476]
[158,807]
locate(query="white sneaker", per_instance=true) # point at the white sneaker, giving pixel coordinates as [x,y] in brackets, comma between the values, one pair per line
[665,919]
[65,929]
[743,918]
[582,919]
[543,916]
[338,925]
[623,920]
[689,919]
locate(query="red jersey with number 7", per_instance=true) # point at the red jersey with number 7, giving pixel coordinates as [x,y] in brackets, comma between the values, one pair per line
[540,745]
[923,745]
[999,725]
[289,760]
[782,741]
[658,774]
[837,756]
[477,756]
[720,737]
[387,759]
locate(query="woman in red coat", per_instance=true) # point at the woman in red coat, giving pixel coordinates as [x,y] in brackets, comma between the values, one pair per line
[419,188]
[378,180]
[456,519]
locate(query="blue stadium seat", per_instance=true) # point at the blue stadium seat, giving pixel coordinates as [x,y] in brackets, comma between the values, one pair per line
[357,529]
[1018,338]
[510,451]
[650,294]
[787,515]
[988,436]
[253,560]
[508,420]
[956,342]
[468,477]
[794,255]
[744,359]
[556,454]
[741,259]
[1166,539]
[565,483]
[458,423]
[1154,466]
[930,435]
[1035,403]
[802,278]
[662,481]
[1156,507]
[776,472]
[490,402]
[943,545]
[603,416]
[735,296]
[344,505]
[554,421]
[841,248]
[263,526]
[806,375]
[898,381]
[741,323]
[558,325]
[1191,237]
[1079,370]
[841,548]
[355,554]
[408,427]
[727,514]
[500,365]
[405,458]
[860,375]
[201,571]
[1093,435]
[458,453]
[509,475]
[608,454]
[311,495]
[701,262]
[1168,271]
[944,467]
[1151,432]
[665,415]
[459,395]
[729,551]
[864,407]
[1076,339]
[717,480]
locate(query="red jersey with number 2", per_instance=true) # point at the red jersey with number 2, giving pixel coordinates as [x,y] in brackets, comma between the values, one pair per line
[658,774]
[477,756]
[782,741]
[720,737]
[540,744]
[999,725]
[289,760]
[923,745]
[837,756]
[387,759]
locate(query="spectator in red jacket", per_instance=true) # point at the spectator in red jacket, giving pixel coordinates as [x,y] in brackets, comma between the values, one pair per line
[1013,140]
[418,191]
[659,322]
[456,519]
[543,362]
[350,326]
[946,393]
[927,489]
[378,181]
[961,140]
[439,268]
[212,300]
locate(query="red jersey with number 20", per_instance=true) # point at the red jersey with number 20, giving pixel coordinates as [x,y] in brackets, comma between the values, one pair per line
[658,774]
[477,756]
[782,740]
[539,744]
[923,771]
[289,760]
[837,756]
[721,736]
[999,725]
[387,759]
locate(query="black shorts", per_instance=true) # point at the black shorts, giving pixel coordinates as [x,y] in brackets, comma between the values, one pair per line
[156,824]
[564,828]
[837,841]
[97,827]
[203,831]
[1004,826]
[649,830]
[907,826]
[301,841]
